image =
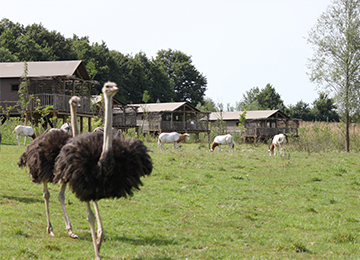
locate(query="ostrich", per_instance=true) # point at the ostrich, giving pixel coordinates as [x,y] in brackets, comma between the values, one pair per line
[115,132]
[40,157]
[98,166]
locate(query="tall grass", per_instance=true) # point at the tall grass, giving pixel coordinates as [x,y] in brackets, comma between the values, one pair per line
[324,137]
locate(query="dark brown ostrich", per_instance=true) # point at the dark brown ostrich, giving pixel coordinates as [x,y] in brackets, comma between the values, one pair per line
[98,166]
[40,157]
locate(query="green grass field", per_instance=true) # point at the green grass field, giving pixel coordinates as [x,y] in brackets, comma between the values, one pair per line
[198,205]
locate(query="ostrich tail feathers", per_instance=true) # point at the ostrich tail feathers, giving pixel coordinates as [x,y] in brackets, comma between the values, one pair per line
[41,153]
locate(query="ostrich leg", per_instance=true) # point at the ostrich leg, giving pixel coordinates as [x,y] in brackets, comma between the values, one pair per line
[100,231]
[66,216]
[91,219]
[46,196]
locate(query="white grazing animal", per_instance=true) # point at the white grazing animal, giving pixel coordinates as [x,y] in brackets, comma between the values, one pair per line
[278,141]
[173,137]
[24,131]
[66,127]
[223,139]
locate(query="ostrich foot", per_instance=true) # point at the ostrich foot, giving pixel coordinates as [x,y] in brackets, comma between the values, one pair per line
[71,234]
[50,231]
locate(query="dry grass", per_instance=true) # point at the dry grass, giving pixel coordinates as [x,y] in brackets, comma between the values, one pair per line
[323,136]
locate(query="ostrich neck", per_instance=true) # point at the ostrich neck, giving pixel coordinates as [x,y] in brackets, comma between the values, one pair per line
[75,129]
[107,145]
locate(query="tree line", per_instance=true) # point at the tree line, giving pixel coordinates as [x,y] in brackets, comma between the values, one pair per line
[322,108]
[169,77]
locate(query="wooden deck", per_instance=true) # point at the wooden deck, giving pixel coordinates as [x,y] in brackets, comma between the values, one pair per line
[261,133]
[58,101]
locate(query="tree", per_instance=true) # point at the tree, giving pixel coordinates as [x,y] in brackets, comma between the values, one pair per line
[187,83]
[209,105]
[335,65]
[158,84]
[7,56]
[324,109]
[301,110]
[249,100]
[269,99]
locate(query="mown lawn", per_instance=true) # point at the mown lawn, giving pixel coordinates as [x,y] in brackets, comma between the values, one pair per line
[198,205]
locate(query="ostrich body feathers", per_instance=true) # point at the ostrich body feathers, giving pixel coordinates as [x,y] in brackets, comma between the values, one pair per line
[41,153]
[116,174]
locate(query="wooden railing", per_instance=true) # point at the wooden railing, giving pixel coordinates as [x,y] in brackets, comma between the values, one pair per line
[180,126]
[120,120]
[59,102]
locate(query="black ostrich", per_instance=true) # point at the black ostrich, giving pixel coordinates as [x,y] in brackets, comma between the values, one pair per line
[40,157]
[98,166]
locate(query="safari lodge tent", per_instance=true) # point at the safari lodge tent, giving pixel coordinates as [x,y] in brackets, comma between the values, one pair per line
[50,83]
[181,117]
[259,124]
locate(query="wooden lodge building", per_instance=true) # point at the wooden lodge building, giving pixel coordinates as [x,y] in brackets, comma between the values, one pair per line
[181,117]
[260,124]
[50,83]
[53,83]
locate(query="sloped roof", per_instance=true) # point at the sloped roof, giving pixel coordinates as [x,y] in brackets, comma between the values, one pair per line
[250,115]
[68,68]
[163,107]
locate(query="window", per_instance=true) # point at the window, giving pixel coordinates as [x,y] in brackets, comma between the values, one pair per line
[14,87]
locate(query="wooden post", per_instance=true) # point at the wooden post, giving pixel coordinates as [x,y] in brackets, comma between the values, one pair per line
[73,87]
[209,139]
[81,124]
[172,118]
[89,124]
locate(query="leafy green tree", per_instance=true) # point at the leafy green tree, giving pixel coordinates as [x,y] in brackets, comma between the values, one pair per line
[186,82]
[301,110]
[269,99]
[54,45]
[130,76]
[8,41]
[209,105]
[324,109]
[335,65]
[28,49]
[7,56]
[249,100]
[158,84]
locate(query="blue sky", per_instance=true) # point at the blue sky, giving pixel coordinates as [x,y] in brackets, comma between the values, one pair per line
[237,45]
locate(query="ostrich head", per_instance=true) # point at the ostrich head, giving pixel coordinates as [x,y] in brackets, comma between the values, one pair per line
[75,101]
[109,89]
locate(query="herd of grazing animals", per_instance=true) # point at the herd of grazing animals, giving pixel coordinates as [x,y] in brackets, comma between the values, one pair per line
[97,165]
